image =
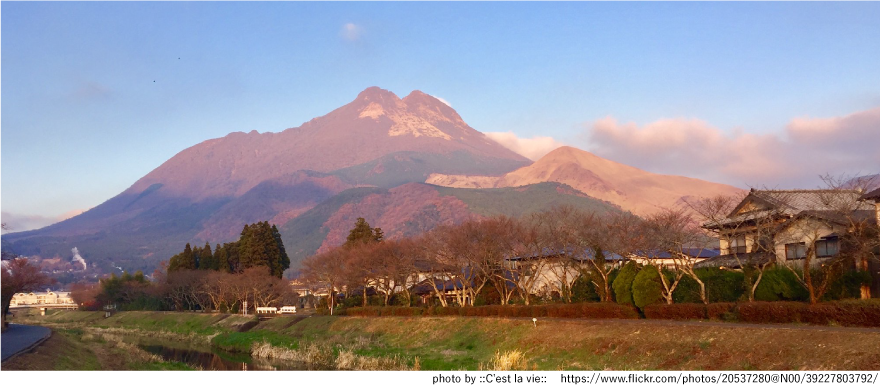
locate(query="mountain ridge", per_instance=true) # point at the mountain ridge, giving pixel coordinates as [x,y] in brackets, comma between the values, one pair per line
[635,190]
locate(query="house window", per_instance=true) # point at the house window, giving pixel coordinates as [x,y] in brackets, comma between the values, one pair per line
[795,251]
[828,247]
[738,244]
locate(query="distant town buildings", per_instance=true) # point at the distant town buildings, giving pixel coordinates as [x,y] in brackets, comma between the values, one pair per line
[49,298]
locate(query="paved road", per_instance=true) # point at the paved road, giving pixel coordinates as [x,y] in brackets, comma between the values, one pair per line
[20,337]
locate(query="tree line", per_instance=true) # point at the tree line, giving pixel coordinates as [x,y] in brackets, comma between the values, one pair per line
[563,255]
[244,272]
[259,246]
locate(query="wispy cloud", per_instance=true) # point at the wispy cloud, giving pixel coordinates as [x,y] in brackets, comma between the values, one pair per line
[445,102]
[791,157]
[532,148]
[351,32]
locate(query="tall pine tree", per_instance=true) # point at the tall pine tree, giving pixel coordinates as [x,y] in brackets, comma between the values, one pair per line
[362,233]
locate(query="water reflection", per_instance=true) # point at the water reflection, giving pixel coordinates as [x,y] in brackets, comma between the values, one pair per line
[219,360]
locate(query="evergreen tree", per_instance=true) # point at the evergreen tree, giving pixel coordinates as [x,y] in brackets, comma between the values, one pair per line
[221,259]
[188,259]
[233,260]
[260,245]
[174,263]
[207,259]
[362,233]
[623,283]
[284,260]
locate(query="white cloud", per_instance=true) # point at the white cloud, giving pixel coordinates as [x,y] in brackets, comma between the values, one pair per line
[791,157]
[532,148]
[351,32]
[442,100]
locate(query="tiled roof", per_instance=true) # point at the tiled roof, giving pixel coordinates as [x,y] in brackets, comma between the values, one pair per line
[735,261]
[790,203]
[872,195]
[703,253]
[795,201]
[582,256]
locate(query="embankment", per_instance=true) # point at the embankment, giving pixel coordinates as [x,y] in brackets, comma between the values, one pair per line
[456,342]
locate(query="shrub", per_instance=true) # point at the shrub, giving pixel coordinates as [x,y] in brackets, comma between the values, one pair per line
[687,291]
[721,311]
[846,313]
[647,288]
[403,311]
[583,290]
[608,311]
[778,283]
[363,311]
[848,285]
[721,286]
[771,312]
[623,283]
[675,311]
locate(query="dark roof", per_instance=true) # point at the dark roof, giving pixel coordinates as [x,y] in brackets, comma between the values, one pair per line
[582,256]
[837,217]
[735,261]
[692,252]
[872,195]
[427,286]
[790,203]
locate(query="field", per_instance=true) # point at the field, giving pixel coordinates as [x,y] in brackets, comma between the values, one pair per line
[458,343]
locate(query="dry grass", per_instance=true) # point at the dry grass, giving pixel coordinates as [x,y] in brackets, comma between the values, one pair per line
[507,361]
[321,356]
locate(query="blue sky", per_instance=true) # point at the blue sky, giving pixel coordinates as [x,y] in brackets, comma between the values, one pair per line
[96,95]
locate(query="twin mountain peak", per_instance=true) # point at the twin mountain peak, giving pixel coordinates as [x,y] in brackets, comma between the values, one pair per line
[369,158]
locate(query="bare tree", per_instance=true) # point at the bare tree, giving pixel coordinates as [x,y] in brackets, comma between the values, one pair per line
[439,270]
[266,290]
[19,275]
[183,289]
[502,240]
[326,270]
[675,236]
[747,231]
[836,211]
[455,252]
[559,231]
[530,264]
[594,235]
[862,236]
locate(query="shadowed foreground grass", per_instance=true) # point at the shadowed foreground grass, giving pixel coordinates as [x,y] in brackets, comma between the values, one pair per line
[471,343]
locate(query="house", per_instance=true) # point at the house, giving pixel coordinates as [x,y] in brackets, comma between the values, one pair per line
[550,270]
[666,259]
[451,290]
[52,298]
[874,195]
[782,226]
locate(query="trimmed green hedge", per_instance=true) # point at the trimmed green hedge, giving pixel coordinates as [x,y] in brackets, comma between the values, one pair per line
[574,310]
[846,313]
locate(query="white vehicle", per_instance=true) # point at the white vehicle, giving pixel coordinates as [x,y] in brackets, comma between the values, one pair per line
[267,310]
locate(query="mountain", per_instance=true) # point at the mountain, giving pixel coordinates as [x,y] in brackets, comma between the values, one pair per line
[633,189]
[414,208]
[210,190]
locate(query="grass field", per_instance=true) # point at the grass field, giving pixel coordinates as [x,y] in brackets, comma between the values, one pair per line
[454,343]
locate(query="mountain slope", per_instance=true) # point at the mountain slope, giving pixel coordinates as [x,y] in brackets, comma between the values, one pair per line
[210,190]
[633,189]
[414,208]
[377,123]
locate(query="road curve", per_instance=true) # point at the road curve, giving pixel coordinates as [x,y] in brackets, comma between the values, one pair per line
[20,338]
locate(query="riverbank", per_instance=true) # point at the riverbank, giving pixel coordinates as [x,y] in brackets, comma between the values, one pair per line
[455,342]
